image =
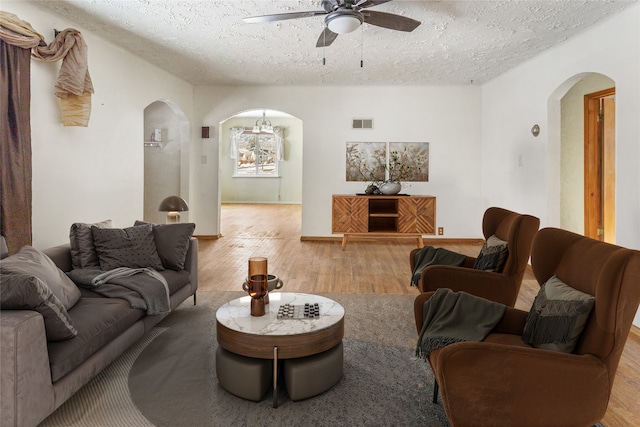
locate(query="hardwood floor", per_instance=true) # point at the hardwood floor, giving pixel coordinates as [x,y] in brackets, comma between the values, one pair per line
[366,266]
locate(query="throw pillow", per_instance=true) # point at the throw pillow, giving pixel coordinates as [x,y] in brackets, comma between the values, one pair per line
[83,251]
[492,255]
[558,315]
[31,262]
[27,292]
[172,243]
[132,247]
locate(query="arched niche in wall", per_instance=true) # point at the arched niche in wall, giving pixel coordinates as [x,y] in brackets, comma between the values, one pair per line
[566,157]
[284,188]
[166,157]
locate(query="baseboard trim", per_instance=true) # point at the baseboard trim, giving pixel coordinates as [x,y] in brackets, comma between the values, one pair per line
[253,202]
[320,239]
[208,236]
[427,240]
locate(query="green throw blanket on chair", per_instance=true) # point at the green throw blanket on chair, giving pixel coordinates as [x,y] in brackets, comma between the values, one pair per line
[434,256]
[451,317]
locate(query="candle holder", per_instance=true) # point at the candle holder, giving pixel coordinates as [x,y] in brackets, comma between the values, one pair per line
[257,281]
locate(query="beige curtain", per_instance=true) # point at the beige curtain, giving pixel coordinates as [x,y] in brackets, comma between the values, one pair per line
[17,32]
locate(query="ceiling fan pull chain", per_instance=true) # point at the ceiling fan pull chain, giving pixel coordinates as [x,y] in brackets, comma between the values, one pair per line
[362,46]
[324,45]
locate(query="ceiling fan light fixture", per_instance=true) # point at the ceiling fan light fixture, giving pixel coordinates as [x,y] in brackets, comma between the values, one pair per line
[343,22]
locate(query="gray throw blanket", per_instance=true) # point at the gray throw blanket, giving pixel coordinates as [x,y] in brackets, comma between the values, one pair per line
[451,317]
[143,288]
[434,256]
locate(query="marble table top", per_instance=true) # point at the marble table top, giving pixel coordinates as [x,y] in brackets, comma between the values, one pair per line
[236,315]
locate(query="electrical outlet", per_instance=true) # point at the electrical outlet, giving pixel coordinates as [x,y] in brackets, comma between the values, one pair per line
[440,231]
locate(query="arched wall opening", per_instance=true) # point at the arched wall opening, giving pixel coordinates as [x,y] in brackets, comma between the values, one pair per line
[565,179]
[286,187]
[166,161]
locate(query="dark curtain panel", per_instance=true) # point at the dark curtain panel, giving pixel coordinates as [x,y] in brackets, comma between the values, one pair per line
[15,145]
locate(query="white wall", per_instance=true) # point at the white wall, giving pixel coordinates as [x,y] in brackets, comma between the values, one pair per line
[287,188]
[448,117]
[531,93]
[94,173]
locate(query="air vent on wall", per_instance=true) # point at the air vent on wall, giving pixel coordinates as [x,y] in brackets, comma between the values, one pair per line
[363,123]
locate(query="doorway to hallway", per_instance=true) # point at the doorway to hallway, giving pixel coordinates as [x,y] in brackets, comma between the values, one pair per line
[600,165]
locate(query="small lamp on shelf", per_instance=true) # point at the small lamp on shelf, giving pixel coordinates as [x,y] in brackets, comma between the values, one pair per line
[173,205]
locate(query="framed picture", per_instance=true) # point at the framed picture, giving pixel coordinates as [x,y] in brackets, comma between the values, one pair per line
[365,161]
[410,159]
[379,161]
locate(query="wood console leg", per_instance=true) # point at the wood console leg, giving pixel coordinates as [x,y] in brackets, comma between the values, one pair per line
[420,242]
[344,241]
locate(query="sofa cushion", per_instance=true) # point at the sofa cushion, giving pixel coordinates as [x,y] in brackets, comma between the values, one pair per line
[83,251]
[27,292]
[172,242]
[557,317]
[98,321]
[176,280]
[133,247]
[30,261]
[492,255]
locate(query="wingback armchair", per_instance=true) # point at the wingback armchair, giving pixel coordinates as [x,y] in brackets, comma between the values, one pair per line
[503,286]
[503,381]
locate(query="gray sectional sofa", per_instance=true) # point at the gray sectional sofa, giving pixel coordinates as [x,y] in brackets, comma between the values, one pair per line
[40,369]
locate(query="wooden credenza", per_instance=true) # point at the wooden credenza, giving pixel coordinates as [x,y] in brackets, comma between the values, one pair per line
[383,216]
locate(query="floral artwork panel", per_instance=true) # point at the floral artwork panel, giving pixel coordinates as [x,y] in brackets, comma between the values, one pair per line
[365,161]
[409,161]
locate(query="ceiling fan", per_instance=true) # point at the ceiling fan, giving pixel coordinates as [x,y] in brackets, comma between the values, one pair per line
[345,16]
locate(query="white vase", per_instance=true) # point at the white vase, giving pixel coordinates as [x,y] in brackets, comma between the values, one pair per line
[390,187]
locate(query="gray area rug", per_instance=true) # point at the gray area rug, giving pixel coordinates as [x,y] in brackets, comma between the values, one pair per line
[172,381]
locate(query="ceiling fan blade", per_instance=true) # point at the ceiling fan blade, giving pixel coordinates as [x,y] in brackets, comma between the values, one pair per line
[283,16]
[326,38]
[390,21]
[370,3]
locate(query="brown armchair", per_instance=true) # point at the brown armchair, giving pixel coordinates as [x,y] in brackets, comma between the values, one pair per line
[518,231]
[503,381]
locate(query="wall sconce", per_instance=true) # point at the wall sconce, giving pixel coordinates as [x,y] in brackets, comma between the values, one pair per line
[173,205]
[535,130]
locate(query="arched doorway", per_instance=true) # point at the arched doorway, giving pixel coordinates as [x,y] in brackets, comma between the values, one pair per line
[284,186]
[166,159]
[569,152]
[257,197]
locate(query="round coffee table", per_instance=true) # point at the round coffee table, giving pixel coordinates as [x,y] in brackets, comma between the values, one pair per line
[270,337]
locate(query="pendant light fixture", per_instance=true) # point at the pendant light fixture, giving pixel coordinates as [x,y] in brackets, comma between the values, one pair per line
[263,125]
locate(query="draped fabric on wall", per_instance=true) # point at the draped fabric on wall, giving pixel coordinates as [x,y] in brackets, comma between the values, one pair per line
[15,145]
[74,86]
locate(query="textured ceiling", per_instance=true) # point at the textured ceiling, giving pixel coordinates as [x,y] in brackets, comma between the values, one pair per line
[207,43]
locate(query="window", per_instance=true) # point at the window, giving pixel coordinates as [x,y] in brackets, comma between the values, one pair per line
[256,154]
